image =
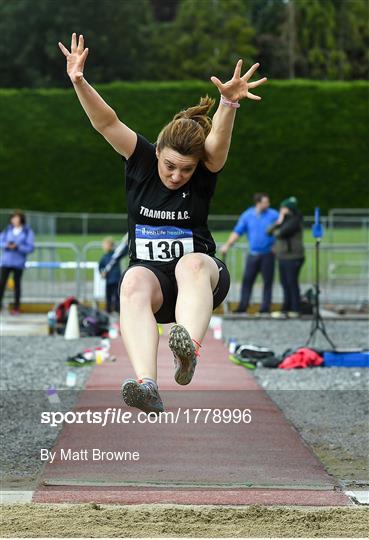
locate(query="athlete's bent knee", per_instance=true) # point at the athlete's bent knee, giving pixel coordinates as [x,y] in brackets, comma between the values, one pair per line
[141,287]
[134,286]
[191,264]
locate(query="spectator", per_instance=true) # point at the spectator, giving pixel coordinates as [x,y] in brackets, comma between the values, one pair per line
[112,276]
[16,242]
[289,249]
[254,222]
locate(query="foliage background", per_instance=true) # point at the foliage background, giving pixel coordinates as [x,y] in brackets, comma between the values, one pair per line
[132,40]
[308,136]
[305,138]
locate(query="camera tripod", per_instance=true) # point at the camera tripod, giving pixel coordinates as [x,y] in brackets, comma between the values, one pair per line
[317,324]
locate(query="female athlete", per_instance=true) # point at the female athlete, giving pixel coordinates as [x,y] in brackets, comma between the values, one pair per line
[173,273]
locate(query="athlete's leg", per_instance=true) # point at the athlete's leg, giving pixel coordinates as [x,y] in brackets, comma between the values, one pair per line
[197,275]
[140,298]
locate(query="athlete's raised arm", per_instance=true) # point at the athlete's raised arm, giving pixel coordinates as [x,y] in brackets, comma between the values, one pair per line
[103,118]
[218,141]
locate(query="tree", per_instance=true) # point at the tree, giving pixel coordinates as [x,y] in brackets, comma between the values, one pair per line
[317,38]
[165,10]
[352,34]
[118,34]
[334,38]
[206,38]
[268,18]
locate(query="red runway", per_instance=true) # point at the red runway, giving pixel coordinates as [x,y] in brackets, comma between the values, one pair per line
[186,462]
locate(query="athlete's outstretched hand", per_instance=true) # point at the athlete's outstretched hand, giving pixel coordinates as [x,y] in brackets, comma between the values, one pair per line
[75,58]
[239,87]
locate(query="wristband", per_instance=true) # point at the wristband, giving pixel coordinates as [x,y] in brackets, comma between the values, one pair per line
[228,103]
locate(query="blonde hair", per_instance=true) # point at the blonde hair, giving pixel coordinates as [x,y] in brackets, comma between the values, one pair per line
[187,132]
[109,240]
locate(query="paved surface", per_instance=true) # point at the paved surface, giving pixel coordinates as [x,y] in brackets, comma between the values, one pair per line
[285,334]
[262,462]
[28,366]
[23,325]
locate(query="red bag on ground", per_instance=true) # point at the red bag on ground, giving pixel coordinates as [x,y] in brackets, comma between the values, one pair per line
[302,358]
[62,309]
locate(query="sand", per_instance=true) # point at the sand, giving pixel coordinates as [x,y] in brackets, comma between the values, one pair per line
[96,521]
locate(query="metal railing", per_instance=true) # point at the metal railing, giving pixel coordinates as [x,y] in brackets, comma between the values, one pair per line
[53,271]
[344,273]
[47,225]
[92,284]
[59,269]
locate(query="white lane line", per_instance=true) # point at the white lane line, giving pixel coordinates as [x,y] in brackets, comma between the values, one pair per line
[11,497]
[361,497]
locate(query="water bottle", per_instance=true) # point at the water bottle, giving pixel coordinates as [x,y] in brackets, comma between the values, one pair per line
[232,344]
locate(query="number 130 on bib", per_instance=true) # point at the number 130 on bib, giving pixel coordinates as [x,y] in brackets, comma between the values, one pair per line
[164,243]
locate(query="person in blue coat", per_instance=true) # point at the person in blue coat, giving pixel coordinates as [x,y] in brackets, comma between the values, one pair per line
[254,223]
[16,242]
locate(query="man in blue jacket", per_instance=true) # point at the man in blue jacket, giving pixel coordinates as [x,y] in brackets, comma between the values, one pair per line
[254,222]
[16,242]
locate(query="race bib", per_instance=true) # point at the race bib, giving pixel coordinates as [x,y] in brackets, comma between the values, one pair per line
[164,243]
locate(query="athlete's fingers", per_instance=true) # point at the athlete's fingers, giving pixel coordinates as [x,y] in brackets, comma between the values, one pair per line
[63,49]
[73,43]
[250,72]
[252,96]
[257,83]
[84,56]
[81,44]
[217,83]
[237,71]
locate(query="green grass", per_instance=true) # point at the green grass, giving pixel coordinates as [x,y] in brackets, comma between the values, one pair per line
[345,263]
[339,236]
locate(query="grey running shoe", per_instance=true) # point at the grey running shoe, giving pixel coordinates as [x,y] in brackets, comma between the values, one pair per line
[185,356]
[143,395]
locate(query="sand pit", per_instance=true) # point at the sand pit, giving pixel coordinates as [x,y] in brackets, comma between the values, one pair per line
[96,521]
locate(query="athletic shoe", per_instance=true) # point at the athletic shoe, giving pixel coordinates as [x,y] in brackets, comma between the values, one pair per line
[278,315]
[293,314]
[143,395]
[239,310]
[269,362]
[245,362]
[184,352]
[248,350]
[79,360]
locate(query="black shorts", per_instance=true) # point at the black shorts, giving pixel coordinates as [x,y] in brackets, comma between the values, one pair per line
[168,284]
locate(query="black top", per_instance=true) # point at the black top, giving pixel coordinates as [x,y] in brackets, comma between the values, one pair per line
[165,224]
[290,237]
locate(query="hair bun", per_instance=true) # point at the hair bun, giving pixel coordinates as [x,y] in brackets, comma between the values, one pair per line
[188,137]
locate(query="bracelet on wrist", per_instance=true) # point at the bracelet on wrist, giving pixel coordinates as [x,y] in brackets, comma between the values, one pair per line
[228,103]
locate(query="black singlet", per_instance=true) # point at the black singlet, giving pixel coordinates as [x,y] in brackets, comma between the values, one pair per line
[165,224]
